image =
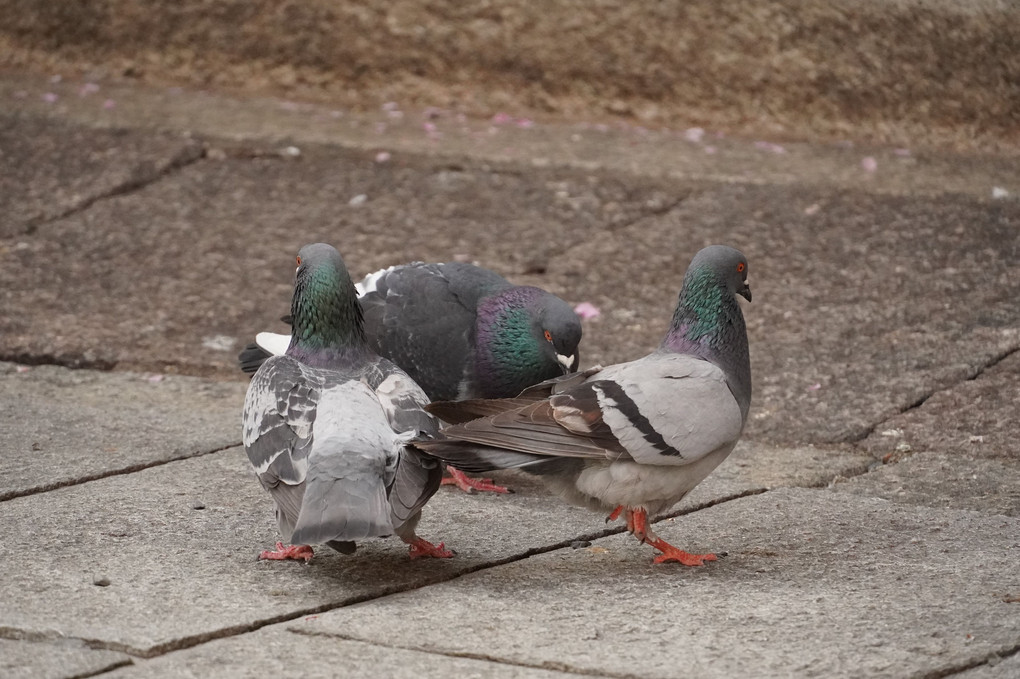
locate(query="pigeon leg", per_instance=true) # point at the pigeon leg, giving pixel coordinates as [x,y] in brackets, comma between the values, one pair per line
[470,485]
[421,547]
[615,514]
[669,553]
[296,552]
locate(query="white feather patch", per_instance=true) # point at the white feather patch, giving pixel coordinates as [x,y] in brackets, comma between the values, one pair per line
[272,342]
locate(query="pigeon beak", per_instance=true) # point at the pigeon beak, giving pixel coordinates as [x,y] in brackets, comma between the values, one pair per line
[569,363]
[745,292]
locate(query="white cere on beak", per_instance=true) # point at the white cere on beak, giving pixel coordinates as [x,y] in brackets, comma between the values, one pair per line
[566,361]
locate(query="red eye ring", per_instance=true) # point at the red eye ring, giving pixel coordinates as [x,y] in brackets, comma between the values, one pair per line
[548,336]
[299,260]
[740,267]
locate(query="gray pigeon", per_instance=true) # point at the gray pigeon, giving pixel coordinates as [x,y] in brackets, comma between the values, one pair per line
[632,438]
[461,332]
[326,426]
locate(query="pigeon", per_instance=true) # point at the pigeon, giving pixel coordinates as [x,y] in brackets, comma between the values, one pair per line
[326,426]
[461,332]
[632,438]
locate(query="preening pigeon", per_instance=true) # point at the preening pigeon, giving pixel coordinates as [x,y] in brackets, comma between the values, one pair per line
[631,438]
[326,425]
[460,331]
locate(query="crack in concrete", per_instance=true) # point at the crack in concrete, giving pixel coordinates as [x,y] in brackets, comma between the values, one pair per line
[552,666]
[994,656]
[189,155]
[130,469]
[921,400]
[194,640]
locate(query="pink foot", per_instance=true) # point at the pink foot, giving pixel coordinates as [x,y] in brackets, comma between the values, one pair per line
[296,552]
[421,547]
[671,553]
[470,485]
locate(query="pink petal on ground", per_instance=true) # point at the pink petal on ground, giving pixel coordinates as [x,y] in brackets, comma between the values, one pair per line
[153,379]
[50,97]
[694,134]
[525,122]
[815,387]
[709,149]
[88,88]
[902,153]
[502,118]
[869,164]
[587,310]
[812,209]
[769,146]
[109,103]
[22,368]
[382,157]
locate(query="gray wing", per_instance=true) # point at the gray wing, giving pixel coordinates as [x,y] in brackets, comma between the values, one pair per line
[662,409]
[422,317]
[417,476]
[278,417]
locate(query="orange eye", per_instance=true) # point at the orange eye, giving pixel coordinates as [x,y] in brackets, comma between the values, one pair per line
[299,261]
[740,267]
[548,336]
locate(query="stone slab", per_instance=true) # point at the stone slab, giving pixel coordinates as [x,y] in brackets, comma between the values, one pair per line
[1006,668]
[201,521]
[55,659]
[958,481]
[52,167]
[276,651]
[863,304]
[815,583]
[181,274]
[266,125]
[61,426]
[975,418]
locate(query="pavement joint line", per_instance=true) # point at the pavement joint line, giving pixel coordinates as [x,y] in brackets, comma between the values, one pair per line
[558,667]
[1001,654]
[182,159]
[121,471]
[921,400]
[126,662]
[192,641]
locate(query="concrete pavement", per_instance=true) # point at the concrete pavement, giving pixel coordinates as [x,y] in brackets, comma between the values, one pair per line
[870,519]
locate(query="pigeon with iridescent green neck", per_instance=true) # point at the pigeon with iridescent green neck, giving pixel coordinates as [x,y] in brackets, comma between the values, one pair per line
[461,331]
[326,426]
[632,438]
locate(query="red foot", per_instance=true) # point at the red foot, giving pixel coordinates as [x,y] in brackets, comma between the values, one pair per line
[295,552]
[470,485]
[637,523]
[671,553]
[421,547]
[615,514]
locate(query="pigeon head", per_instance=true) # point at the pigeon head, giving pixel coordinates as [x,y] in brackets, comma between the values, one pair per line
[324,311]
[524,335]
[708,321]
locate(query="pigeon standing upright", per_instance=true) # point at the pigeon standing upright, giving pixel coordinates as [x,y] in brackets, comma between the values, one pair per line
[632,438]
[326,425]
[461,332]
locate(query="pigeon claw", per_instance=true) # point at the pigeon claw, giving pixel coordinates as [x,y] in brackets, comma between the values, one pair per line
[296,552]
[470,485]
[671,553]
[421,547]
[615,514]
